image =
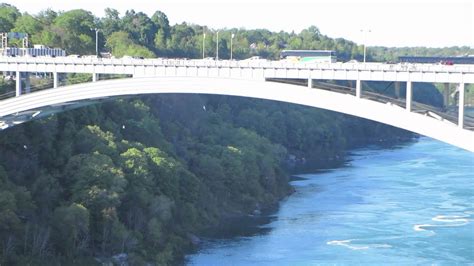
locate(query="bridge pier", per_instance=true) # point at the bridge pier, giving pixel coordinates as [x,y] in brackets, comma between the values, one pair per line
[397,89]
[55,80]
[95,77]
[18,84]
[461,105]
[446,95]
[27,82]
[310,83]
[358,88]
[409,96]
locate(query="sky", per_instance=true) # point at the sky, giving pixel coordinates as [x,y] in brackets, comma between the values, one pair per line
[391,23]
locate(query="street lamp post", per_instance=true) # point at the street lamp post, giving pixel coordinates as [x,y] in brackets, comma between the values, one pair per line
[203,44]
[364,32]
[231,38]
[96,41]
[217,46]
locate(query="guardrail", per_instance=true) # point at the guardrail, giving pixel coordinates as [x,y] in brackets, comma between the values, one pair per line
[401,67]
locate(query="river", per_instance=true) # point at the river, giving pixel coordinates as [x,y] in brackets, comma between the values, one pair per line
[409,205]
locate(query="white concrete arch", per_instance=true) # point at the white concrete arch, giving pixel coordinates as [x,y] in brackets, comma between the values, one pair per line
[47,100]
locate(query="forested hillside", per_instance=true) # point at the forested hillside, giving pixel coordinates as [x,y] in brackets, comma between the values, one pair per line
[143,176]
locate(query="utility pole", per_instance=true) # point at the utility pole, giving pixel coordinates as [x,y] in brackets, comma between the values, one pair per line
[364,32]
[203,44]
[231,38]
[217,46]
[96,41]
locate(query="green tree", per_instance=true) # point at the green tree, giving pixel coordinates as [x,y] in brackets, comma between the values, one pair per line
[97,183]
[75,29]
[8,16]
[71,229]
[161,21]
[28,24]
[47,16]
[182,41]
[140,27]
[111,21]
[121,44]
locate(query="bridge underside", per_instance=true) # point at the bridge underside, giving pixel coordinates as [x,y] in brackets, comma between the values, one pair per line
[35,105]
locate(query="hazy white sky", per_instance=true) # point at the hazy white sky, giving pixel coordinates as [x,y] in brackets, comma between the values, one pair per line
[432,23]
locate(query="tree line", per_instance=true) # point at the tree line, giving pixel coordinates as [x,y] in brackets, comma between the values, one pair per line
[137,34]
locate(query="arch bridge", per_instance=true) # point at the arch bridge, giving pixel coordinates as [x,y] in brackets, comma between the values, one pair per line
[272,80]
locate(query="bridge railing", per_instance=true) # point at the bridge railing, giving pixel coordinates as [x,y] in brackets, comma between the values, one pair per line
[403,67]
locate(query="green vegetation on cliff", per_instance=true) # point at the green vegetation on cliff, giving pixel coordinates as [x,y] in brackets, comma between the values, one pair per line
[141,176]
[108,179]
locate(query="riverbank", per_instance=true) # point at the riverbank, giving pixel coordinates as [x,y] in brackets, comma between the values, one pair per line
[404,205]
[255,224]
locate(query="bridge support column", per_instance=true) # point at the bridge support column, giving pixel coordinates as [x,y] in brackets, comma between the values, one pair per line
[55,80]
[18,84]
[95,77]
[27,82]
[446,95]
[461,105]
[397,89]
[409,96]
[310,83]
[358,88]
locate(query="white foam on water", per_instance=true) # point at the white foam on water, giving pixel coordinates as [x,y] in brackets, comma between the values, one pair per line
[459,219]
[347,244]
[419,227]
[444,221]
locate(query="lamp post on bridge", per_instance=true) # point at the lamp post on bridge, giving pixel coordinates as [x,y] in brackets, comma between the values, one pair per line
[203,44]
[364,32]
[231,38]
[96,41]
[217,46]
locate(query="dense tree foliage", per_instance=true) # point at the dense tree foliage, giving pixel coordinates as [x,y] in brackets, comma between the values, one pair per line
[138,176]
[141,176]
[8,16]
[154,36]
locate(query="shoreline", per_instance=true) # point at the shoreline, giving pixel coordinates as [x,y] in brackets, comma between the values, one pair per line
[233,227]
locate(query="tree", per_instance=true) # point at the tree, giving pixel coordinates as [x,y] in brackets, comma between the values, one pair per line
[182,41]
[71,229]
[47,16]
[160,41]
[28,24]
[121,44]
[97,183]
[75,29]
[99,186]
[92,138]
[8,16]
[10,224]
[111,22]
[140,27]
[161,21]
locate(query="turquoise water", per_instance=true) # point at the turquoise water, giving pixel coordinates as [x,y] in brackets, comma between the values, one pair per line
[412,205]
